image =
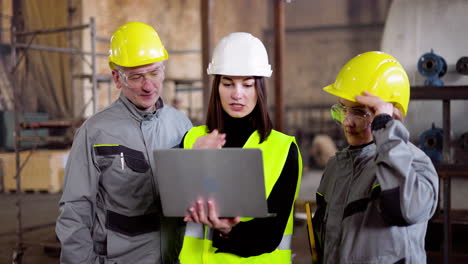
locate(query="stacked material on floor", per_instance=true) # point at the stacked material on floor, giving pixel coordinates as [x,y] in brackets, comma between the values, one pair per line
[42,172]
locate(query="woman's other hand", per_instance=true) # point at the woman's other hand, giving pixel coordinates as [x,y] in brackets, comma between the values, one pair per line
[212,140]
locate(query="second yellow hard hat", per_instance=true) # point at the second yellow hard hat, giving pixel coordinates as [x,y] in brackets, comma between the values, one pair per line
[376,72]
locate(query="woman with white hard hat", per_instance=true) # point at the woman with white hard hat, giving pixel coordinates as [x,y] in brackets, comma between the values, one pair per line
[238,117]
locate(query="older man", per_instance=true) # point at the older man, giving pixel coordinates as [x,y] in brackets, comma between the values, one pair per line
[110,210]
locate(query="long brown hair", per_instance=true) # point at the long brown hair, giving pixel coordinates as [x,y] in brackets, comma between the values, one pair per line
[260,118]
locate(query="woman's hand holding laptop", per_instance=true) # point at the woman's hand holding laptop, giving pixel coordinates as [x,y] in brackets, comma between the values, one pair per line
[197,215]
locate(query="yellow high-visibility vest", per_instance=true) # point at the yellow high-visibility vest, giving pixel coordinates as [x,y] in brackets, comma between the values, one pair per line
[198,245]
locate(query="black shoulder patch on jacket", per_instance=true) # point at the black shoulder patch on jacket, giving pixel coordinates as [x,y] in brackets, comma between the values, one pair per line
[361,204]
[319,215]
[133,158]
[390,207]
[356,207]
[132,225]
[401,261]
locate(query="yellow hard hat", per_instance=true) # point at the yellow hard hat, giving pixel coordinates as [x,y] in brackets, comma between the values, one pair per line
[375,72]
[135,44]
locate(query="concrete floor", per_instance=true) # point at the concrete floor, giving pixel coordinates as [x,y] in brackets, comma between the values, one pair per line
[41,210]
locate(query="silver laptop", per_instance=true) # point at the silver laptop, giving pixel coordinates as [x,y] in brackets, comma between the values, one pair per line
[232,177]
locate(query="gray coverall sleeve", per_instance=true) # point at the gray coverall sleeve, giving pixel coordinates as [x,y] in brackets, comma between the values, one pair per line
[77,204]
[407,177]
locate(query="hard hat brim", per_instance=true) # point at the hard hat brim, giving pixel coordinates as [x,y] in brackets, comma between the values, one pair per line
[140,63]
[213,70]
[336,92]
[333,91]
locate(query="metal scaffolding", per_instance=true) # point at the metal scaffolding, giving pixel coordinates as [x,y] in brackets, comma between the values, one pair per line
[15,62]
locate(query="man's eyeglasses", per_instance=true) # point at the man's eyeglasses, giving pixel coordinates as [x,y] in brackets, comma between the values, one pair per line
[136,80]
[360,116]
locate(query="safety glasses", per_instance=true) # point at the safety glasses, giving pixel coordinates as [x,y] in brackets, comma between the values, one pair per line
[359,116]
[137,80]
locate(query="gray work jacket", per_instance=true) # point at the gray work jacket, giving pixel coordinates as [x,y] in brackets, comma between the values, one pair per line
[374,202]
[110,210]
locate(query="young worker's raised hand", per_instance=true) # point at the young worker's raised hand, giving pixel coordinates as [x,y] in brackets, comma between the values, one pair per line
[375,104]
[212,140]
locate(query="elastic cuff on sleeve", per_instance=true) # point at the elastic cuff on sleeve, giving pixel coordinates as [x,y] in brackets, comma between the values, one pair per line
[380,121]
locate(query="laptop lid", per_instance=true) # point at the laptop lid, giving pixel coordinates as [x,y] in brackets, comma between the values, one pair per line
[232,177]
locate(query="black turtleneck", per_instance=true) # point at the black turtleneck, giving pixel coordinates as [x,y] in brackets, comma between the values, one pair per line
[237,130]
[260,235]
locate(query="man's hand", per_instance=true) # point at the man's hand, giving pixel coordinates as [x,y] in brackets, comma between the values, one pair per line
[212,140]
[375,104]
[198,215]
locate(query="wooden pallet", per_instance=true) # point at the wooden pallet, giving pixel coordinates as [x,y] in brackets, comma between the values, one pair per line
[43,171]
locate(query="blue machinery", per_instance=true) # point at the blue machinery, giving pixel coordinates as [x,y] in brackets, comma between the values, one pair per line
[431,142]
[433,67]
[462,66]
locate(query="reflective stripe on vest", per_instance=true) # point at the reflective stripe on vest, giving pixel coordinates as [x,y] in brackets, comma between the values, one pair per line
[285,243]
[194,230]
[197,247]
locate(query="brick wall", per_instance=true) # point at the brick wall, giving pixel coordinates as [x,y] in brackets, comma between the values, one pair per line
[319,41]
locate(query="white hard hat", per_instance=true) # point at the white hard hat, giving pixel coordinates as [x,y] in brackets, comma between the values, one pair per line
[240,54]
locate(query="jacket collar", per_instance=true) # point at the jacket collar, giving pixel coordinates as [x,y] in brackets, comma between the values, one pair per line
[356,152]
[141,115]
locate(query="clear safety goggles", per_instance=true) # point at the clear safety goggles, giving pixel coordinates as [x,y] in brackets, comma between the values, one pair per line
[137,80]
[359,116]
